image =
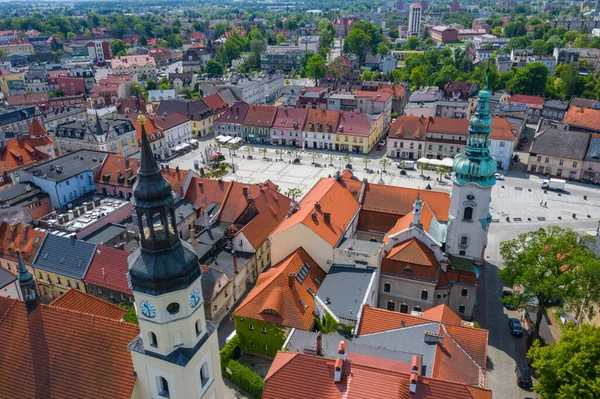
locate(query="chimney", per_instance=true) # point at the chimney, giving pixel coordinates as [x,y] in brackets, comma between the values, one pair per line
[327,217]
[235,268]
[337,373]
[245,191]
[206,218]
[317,205]
[319,344]
[342,350]
[177,169]
[291,278]
[168,168]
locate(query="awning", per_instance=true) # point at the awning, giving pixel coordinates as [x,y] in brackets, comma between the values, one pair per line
[185,145]
[178,148]
[193,141]
[225,139]
[447,162]
[235,140]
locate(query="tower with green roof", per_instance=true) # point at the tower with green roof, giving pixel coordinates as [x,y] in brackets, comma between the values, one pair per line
[473,175]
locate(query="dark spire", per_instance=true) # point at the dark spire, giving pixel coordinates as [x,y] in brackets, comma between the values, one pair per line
[27,285]
[99,130]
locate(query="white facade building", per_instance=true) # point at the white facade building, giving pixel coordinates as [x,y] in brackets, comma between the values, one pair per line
[414,20]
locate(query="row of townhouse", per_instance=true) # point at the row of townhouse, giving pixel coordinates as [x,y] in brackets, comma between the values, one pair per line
[413,137]
[339,130]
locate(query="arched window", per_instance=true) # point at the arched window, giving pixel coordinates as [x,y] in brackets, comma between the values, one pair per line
[163,387]
[468,214]
[464,292]
[204,375]
[404,308]
[424,295]
[417,309]
[462,309]
[198,327]
[153,340]
[391,305]
[387,287]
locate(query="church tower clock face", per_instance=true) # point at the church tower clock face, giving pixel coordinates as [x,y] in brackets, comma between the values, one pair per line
[194,297]
[148,309]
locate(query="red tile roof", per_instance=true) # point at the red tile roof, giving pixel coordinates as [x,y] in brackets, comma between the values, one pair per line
[81,302]
[404,222]
[409,128]
[298,375]
[114,166]
[411,259]
[20,237]
[354,124]
[396,90]
[235,203]
[62,353]
[175,178]
[279,290]
[373,95]
[170,120]
[531,101]
[204,192]
[444,314]
[260,115]
[108,269]
[323,118]
[38,136]
[19,153]
[333,198]
[586,118]
[290,118]
[374,320]
[215,103]
[153,132]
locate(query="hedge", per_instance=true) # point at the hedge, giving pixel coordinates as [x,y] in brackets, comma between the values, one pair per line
[231,351]
[246,379]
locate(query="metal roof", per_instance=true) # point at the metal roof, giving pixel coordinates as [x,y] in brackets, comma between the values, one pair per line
[67,257]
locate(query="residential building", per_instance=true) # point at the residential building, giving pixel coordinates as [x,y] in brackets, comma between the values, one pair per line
[522,57]
[194,59]
[444,34]
[285,59]
[534,104]
[16,45]
[547,60]
[565,56]
[61,264]
[459,91]
[9,288]
[182,80]
[591,161]
[201,117]
[110,90]
[407,138]
[106,276]
[423,102]
[554,110]
[252,90]
[66,178]
[169,301]
[230,122]
[18,119]
[156,96]
[465,35]
[484,54]
[176,128]
[375,103]
[117,174]
[17,154]
[257,124]
[320,128]
[36,81]
[59,115]
[558,153]
[217,104]
[453,109]
[288,126]
[343,25]
[157,138]
[103,134]
[313,97]
[19,238]
[114,235]
[161,55]
[576,24]
[262,323]
[582,119]
[142,65]
[99,50]
[26,196]
[414,20]
[503,63]
[357,132]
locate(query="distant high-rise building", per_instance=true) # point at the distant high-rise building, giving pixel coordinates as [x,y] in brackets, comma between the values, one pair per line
[454,6]
[414,20]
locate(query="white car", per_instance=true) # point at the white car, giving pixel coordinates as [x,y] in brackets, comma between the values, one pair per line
[499,176]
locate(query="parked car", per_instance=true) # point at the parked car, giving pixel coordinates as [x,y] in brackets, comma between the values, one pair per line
[523,377]
[499,176]
[507,293]
[515,327]
[381,145]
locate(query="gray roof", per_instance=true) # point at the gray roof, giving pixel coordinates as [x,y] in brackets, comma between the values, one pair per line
[593,151]
[582,102]
[556,104]
[6,278]
[98,128]
[462,104]
[193,109]
[208,281]
[16,191]
[224,262]
[427,94]
[181,356]
[365,246]
[68,165]
[228,96]
[560,143]
[67,257]
[105,234]
[16,114]
[344,289]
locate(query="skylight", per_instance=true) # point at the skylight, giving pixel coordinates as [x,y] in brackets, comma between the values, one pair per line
[301,275]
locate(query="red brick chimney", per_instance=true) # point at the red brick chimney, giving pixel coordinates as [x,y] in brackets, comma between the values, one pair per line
[245,191]
[291,278]
[342,350]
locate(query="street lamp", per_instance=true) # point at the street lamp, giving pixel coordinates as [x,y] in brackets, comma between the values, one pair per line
[232,164]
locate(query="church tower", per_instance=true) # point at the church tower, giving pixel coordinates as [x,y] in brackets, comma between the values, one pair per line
[176,354]
[473,178]
[27,285]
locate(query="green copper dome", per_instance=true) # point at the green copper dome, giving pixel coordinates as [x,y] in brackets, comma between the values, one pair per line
[476,165]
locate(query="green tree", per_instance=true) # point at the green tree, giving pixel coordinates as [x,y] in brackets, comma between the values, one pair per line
[357,41]
[412,43]
[515,29]
[568,368]
[293,193]
[219,28]
[326,33]
[163,84]
[315,68]
[383,48]
[56,93]
[130,316]
[573,83]
[551,265]
[539,47]
[366,161]
[151,84]
[117,47]
[530,80]
[385,162]
[280,38]
[367,75]
[213,68]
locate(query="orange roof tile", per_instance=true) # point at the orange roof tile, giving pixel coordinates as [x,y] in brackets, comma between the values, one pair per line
[404,222]
[215,103]
[531,101]
[333,198]
[322,117]
[503,130]
[373,95]
[152,131]
[586,118]
[354,124]
[272,208]
[204,192]
[278,289]
[81,302]
[374,320]
[176,178]
[411,255]
[442,313]
[235,203]
[108,269]
[260,115]
[409,128]
[114,166]
[452,363]
[63,353]
[19,237]
[18,153]
[298,375]
[396,90]
[462,276]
